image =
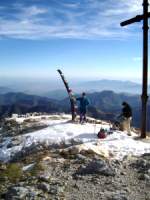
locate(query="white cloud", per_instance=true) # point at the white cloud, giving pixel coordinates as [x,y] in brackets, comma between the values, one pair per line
[137,59]
[71,5]
[92,19]
[33,11]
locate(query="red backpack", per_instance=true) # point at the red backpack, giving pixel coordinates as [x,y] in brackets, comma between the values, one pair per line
[101,134]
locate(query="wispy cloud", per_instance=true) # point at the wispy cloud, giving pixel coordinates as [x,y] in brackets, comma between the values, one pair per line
[137,59]
[90,19]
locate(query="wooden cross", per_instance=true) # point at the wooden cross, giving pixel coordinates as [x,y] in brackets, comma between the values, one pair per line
[72,98]
[144,95]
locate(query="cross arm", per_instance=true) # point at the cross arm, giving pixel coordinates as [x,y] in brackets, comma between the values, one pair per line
[138,18]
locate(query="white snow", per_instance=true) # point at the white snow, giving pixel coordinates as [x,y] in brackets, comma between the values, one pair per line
[62,130]
[59,129]
[5,152]
[28,167]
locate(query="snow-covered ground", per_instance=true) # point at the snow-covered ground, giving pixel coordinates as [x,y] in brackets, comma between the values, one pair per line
[118,145]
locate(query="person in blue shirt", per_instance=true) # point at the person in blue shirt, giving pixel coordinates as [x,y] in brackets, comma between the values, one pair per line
[84,102]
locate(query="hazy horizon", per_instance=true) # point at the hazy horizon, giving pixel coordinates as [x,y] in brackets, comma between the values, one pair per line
[46,86]
[10,81]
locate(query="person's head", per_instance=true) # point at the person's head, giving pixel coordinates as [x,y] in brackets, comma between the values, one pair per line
[124,103]
[83,94]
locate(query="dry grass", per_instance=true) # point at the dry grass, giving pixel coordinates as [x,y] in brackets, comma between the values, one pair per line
[13,173]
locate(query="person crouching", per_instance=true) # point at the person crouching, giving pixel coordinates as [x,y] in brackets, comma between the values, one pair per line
[126,118]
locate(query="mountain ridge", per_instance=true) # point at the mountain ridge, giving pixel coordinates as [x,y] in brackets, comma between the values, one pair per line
[105,105]
[50,90]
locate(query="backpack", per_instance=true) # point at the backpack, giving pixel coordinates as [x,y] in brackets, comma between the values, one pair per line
[101,134]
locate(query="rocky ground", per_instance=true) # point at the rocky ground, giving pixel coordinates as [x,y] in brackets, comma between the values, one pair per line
[42,172]
[11,128]
[50,175]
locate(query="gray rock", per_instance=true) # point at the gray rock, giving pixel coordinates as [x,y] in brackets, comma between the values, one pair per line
[142,165]
[2,167]
[118,195]
[44,186]
[57,188]
[44,178]
[96,167]
[60,189]
[26,150]
[81,157]
[20,193]
[146,177]
[53,189]
[16,192]
[14,142]
[123,173]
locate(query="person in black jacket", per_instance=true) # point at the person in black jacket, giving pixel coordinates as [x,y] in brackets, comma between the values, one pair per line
[126,117]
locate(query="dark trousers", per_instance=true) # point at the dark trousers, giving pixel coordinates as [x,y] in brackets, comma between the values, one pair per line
[82,116]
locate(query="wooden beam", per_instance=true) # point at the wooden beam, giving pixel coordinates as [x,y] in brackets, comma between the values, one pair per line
[138,18]
[144,95]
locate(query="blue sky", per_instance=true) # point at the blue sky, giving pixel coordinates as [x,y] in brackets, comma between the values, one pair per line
[82,37]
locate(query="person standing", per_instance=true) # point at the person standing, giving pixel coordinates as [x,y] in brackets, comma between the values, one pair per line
[84,102]
[126,117]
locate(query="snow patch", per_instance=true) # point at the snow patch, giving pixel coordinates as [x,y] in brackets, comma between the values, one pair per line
[118,145]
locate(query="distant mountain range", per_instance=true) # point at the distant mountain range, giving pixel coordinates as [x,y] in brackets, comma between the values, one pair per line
[56,94]
[22,103]
[113,85]
[98,86]
[4,90]
[47,89]
[104,105]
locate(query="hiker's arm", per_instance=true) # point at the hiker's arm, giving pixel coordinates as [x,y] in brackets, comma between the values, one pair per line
[88,102]
[119,116]
[78,99]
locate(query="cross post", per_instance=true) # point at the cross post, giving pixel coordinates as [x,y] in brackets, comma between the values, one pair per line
[144,95]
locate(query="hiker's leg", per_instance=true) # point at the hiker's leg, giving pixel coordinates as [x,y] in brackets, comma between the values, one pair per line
[124,124]
[84,116]
[129,125]
[80,117]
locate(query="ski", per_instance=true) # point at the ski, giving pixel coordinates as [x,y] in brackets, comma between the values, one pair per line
[72,98]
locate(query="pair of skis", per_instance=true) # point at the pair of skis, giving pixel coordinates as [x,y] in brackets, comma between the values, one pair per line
[72,98]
